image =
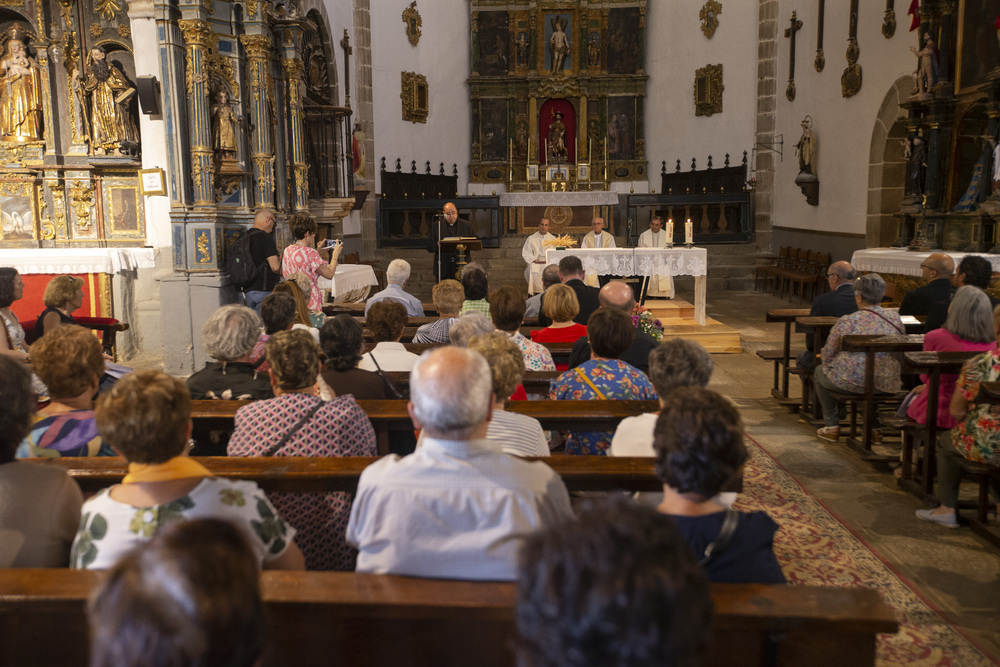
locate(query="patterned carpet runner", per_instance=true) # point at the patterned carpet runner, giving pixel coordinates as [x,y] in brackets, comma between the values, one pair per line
[815,548]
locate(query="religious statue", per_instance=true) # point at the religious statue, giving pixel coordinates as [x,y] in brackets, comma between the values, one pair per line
[20,93]
[111,93]
[358,155]
[996,171]
[557,136]
[916,169]
[558,45]
[594,50]
[224,122]
[806,147]
[522,49]
[926,66]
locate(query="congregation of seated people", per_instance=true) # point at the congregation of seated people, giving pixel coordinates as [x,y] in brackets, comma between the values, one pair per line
[464,503]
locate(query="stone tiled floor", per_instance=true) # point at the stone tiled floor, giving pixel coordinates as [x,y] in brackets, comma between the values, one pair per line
[955,570]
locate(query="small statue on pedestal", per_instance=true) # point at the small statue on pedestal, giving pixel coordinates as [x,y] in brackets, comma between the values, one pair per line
[807,180]
[916,168]
[927,64]
[224,122]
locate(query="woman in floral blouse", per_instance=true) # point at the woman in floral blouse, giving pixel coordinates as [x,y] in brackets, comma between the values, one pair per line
[976,438]
[146,417]
[297,422]
[845,371]
[604,376]
[303,257]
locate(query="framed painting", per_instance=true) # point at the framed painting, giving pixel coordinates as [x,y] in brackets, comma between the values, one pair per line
[123,211]
[978,45]
[493,129]
[17,214]
[494,36]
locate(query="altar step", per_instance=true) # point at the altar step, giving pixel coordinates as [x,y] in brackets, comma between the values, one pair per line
[677,316]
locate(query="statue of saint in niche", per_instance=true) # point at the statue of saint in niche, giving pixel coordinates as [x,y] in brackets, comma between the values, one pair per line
[926,74]
[557,136]
[20,93]
[806,147]
[111,93]
[224,122]
[558,44]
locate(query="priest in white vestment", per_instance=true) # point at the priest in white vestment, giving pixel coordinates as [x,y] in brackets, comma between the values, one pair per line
[533,253]
[656,237]
[597,239]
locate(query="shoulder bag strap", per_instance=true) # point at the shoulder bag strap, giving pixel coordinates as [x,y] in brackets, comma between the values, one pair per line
[729,523]
[385,378]
[901,331]
[583,376]
[295,429]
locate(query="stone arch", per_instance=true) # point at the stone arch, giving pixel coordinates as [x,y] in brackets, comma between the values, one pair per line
[886,165]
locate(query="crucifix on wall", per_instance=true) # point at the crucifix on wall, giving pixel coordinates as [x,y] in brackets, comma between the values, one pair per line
[850,80]
[794,26]
[820,61]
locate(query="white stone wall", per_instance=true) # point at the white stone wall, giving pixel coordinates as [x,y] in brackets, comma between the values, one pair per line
[443,56]
[675,48]
[843,126]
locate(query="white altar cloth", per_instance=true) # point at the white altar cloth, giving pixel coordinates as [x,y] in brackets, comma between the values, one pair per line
[348,277]
[676,261]
[76,260]
[598,198]
[905,262]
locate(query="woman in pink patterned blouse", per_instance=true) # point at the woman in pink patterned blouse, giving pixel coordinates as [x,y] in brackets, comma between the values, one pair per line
[297,422]
[845,371]
[302,257]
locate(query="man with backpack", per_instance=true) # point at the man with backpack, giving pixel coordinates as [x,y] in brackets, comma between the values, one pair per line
[257,281]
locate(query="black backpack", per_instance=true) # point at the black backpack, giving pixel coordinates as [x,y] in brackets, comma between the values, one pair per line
[239,262]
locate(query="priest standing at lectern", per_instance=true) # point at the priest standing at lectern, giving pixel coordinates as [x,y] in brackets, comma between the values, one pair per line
[656,237]
[448,227]
[533,253]
[597,239]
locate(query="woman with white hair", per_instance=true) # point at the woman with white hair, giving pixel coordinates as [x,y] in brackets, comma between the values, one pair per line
[229,337]
[845,371]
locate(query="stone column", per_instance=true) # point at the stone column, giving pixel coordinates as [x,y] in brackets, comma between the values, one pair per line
[196,36]
[581,131]
[364,112]
[258,52]
[767,56]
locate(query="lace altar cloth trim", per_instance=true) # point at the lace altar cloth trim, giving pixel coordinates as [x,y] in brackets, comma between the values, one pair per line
[77,260]
[904,262]
[559,199]
[637,261]
[348,277]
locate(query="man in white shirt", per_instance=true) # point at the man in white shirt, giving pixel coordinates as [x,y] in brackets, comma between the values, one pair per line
[455,508]
[396,274]
[597,239]
[533,253]
[656,237]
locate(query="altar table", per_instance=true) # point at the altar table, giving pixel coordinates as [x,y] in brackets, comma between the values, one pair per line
[676,261]
[346,279]
[905,262]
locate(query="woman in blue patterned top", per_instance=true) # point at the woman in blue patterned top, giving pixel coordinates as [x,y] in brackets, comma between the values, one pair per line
[603,376]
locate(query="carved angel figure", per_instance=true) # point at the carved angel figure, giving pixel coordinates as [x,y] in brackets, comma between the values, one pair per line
[20,94]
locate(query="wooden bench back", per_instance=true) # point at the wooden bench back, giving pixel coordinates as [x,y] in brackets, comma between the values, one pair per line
[344,618]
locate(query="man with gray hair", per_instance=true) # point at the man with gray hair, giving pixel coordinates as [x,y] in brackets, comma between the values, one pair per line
[839,301]
[550,277]
[396,275]
[229,336]
[454,508]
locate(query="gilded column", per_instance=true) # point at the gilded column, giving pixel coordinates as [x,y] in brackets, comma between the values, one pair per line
[197,34]
[581,132]
[258,52]
[292,69]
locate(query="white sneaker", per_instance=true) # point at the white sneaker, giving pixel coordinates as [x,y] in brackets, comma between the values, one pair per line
[946,520]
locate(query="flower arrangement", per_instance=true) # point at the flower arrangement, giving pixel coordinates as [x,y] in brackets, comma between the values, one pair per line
[644,321]
[564,241]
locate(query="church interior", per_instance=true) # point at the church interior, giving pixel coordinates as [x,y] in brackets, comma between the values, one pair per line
[140,138]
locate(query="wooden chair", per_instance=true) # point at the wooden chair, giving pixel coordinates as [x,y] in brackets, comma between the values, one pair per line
[108,327]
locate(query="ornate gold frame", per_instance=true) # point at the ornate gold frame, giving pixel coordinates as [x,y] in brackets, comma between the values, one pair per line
[708,90]
[414,95]
[149,185]
[411,17]
[709,16]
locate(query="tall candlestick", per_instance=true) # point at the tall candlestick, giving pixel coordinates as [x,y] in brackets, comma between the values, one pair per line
[545,150]
[688,232]
[669,231]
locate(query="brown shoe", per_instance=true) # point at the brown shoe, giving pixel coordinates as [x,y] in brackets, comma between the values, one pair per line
[829,433]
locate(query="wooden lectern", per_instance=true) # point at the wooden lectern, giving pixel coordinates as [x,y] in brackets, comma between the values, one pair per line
[460,246]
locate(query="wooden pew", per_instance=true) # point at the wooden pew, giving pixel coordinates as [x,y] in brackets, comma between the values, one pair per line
[592,415]
[560,351]
[321,475]
[414,321]
[324,618]
[535,382]
[782,358]
[410,331]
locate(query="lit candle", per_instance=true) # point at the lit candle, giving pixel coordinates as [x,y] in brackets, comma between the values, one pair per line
[670,232]
[545,150]
[688,232]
